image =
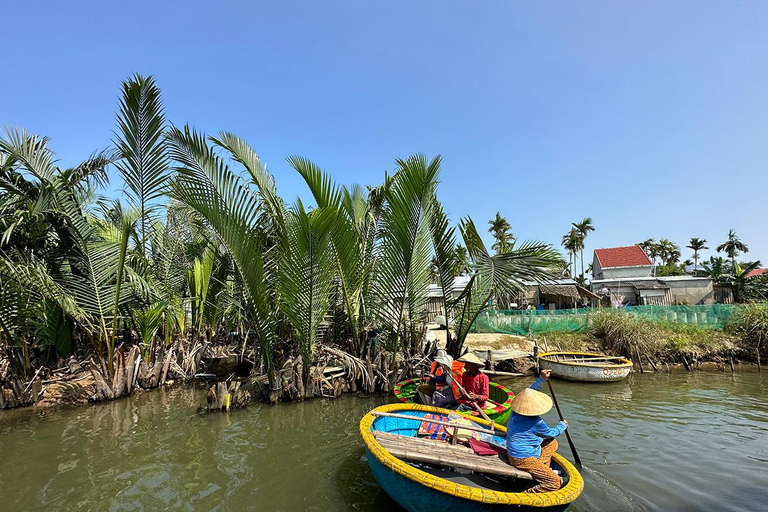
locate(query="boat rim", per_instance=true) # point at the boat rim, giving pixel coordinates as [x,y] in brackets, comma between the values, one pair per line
[501,408]
[563,496]
[626,363]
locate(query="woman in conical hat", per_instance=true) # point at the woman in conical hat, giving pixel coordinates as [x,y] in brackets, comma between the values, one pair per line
[530,441]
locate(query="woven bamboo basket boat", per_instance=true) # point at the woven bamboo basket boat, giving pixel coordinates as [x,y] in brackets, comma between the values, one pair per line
[423,475]
[497,407]
[585,366]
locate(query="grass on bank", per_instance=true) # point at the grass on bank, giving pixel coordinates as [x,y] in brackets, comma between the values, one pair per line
[617,333]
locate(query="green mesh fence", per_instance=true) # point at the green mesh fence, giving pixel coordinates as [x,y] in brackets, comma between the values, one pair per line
[523,322]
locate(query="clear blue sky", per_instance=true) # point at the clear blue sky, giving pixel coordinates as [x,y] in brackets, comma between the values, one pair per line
[651,117]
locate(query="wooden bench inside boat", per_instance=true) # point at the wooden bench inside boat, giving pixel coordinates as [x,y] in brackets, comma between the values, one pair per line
[444,454]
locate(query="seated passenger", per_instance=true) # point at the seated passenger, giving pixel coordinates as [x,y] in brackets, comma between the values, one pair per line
[438,377]
[530,441]
[447,397]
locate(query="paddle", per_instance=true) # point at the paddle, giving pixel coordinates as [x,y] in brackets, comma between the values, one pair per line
[567,434]
[482,413]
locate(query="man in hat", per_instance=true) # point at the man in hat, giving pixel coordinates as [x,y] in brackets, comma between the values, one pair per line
[530,441]
[474,382]
[438,377]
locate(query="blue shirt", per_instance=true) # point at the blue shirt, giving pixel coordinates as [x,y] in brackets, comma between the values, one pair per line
[526,433]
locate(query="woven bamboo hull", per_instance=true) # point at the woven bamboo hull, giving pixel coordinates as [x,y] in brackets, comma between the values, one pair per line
[584,372]
[405,390]
[417,490]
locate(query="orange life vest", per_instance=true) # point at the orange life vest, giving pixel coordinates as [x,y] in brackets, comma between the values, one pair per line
[457,368]
[437,370]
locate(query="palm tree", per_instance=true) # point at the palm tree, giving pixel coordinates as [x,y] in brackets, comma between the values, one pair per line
[500,229]
[583,228]
[732,247]
[696,245]
[141,141]
[649,246]
[462,261]
[500,274]
[571,241]
[668,251]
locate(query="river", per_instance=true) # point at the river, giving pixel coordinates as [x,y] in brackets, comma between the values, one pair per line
[655,442]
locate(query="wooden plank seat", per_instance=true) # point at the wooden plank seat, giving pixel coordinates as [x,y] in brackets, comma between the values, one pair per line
[441,453]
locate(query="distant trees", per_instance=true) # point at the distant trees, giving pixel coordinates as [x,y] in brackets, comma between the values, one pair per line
[732,247]
[572,242]
[583,228]
[502,233]
[696,245]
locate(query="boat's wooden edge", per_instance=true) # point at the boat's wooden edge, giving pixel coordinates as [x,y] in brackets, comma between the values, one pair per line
[548,357]
[564,496]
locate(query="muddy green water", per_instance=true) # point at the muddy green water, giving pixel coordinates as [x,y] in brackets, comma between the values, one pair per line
[666,442]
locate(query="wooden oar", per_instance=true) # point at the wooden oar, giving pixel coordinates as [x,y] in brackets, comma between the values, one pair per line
[482,413]
[567,434]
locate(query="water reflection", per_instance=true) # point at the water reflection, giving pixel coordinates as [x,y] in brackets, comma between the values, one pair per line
[653,442]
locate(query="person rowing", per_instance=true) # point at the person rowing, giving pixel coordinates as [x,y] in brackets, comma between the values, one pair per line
[530,441]
[474,382]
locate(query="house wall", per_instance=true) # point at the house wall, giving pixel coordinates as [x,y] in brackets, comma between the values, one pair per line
[627,272]
[599,272]
[698,291]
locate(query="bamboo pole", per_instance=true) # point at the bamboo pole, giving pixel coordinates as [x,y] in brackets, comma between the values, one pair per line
[567,433]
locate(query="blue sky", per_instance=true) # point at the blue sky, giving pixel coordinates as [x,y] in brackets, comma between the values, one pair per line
[651,117]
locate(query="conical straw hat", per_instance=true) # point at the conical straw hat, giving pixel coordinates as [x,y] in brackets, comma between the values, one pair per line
[530,402]
[469,357]
[444,359]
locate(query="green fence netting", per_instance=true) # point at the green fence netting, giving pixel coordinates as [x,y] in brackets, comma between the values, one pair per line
[524,322]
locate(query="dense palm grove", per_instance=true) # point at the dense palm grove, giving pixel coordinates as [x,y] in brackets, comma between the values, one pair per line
[201,255]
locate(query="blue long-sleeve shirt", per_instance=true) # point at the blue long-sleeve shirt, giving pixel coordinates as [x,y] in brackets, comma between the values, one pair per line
[526,433]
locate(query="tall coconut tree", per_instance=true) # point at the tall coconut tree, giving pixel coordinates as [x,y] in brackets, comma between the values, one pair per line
[647,246]
[501,231]
[571,241]
[696,245]
[584,227]
[732,247]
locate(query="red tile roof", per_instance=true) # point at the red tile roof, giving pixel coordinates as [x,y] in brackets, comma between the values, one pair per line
[757,272]
[631,256]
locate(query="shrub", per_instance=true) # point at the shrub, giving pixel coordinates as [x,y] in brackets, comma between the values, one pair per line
[623,333]
[751,323]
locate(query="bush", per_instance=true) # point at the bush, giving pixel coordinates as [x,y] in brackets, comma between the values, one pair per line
[751,323]
[622,333]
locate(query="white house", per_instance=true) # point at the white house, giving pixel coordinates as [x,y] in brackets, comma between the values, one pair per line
[617,262]
[627,274]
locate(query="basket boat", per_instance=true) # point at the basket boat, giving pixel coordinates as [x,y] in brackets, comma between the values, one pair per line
[423,475]
[585,366]
[497,407]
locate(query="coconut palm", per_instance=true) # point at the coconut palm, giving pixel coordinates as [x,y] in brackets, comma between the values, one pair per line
[571,241]
[501,231]
[583,228]
[732,247]
[696,245]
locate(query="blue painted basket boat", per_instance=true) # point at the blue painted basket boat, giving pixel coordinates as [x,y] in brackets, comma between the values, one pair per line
[423,487]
